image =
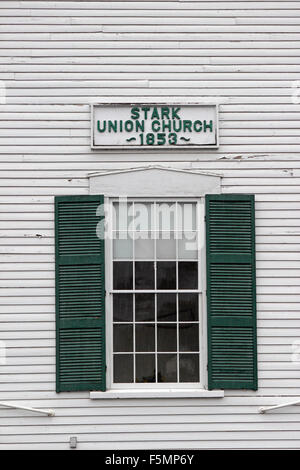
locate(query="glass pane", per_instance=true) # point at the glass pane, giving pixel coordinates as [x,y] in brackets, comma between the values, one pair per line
[166,337]
[165,216]
[123,307]
[122,215]
[144,246]
[144,275]
[189,367]
[144,307]
[123,368]
[122,248]
[166,275]
[167,368]
[188,275]
[145,337]
[166,246]
[143,216]
[123,275]
[188,307]
[187,245]
[145,368]
[166,307]
[188,337]
[123,338]
[186,216]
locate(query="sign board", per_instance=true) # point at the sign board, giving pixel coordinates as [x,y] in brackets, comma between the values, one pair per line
[154,126]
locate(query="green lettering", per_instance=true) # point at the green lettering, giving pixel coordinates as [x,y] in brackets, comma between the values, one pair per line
[155,126]
[112,126]
[99,128]
[135,113]
[155,114]
[174,113]
[177,128]
[139,126]
[145,109]
[165,112]
[128,126]
[166,125]
[208,126]
[187,125]
[197,126]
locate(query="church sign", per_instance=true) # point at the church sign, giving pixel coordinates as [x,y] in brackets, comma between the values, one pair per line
[154,126]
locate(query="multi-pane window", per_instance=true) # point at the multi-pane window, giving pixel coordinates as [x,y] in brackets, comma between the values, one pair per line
[156,289]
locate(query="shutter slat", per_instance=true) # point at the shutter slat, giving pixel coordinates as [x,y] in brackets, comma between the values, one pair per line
[80,294]
[231,296]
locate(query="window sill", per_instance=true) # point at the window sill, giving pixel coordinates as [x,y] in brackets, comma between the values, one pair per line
[162,393]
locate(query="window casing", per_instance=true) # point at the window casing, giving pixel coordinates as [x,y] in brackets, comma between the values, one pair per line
[146,349]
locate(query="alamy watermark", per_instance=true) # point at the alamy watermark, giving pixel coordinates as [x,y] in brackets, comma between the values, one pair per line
[125,220]
[2,353]
[295,96]
[2,92]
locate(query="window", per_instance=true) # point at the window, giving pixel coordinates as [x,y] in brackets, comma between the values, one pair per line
[164,299]
[156,304]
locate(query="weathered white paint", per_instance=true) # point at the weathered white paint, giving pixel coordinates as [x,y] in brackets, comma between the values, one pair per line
[55,59]
[154,393]
[154,181]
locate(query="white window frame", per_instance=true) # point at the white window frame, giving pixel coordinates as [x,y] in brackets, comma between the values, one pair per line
[165,182]
[202,385]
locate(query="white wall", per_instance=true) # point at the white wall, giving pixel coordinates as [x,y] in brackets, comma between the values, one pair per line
[56,58]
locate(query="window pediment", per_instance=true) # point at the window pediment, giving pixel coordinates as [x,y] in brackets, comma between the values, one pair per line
[154,181]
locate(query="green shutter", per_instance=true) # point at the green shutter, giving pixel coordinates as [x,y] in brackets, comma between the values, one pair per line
[80,293]
[231,292]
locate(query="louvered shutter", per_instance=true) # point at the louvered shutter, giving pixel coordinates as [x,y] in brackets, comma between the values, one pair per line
[80,293]
[231,296]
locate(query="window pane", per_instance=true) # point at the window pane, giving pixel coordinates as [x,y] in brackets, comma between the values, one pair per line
[122,248]
[143,216]
[145,337]
[188,307]
[166,337]
[123,338]
[189,367]
[123,307]
[166,275]
[186,216]
[188,337]
[167,368]
[144,247]
[144,275]
[166,307]
[166,246]
[165,216]
[187,245]
[123,275]
[123,215]
[144,307]
[145,368]
[188,275]
[123,368]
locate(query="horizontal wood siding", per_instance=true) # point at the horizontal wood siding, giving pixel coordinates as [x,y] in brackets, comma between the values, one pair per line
[55,59]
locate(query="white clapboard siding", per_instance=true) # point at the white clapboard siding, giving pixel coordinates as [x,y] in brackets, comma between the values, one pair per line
[55,59]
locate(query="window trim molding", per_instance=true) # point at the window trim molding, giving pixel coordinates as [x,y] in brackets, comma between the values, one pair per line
[202,291]
[153,393]
[154,181]
[107,183]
